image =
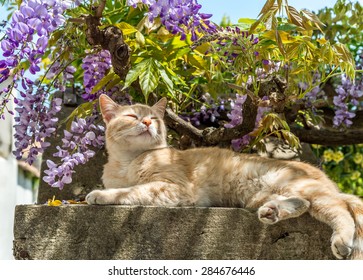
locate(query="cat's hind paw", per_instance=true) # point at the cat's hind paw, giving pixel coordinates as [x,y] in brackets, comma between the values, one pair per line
[341,248]
[280,209]
[268,213]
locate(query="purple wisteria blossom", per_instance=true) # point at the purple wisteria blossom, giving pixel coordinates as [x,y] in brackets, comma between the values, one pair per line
[178,16]
[315,93]
[61,74]
[238,144]
[95,66]
[26,40]
[35,121]
[236,117]
[348,94]
[208,114]
[236,114]
[233,41]
[77,148]
[27,36]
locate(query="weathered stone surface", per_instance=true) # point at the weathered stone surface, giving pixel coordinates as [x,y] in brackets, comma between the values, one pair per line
[124,232]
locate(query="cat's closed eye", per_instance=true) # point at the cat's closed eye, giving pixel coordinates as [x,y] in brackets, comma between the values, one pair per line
[132,116]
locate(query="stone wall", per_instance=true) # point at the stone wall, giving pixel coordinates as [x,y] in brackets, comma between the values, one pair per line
[123,232]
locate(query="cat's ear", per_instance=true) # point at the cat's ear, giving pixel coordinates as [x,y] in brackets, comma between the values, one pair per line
[160,106]
[108,107]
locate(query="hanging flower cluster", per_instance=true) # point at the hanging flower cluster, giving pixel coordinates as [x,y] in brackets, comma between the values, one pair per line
[77,148]
[346,100]
[26,40]
[178,16]
[35,121]
[28,34]
[95,67]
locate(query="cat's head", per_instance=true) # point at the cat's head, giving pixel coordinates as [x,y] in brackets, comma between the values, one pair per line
[135,127]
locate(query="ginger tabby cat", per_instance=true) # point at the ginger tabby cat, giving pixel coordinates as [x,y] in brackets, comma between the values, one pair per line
[143,170]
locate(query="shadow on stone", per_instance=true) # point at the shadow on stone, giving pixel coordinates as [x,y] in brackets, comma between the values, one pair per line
[137,232]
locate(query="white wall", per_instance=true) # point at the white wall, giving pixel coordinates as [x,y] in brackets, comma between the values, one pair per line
[11,193]
[8,184]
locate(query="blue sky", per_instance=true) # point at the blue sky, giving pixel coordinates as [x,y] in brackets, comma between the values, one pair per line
[236,9]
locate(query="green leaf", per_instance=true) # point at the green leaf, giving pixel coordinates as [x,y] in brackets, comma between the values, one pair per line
[267,7]
[134,73]
[126,28]
[203,48]
[280,43]
[175,77]
[83,110]
[103,82]
[56,35]
[346,59]
[148,78]
[254,26]
[307,15]
[287,27]
[291,139]
[165,77]
[140,39]
[197,61]
[115,81]
[177,54]
[294,16]
[246,21]
[176,43]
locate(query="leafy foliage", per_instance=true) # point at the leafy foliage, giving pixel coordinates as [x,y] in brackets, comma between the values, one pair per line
[344,165]
[202,68]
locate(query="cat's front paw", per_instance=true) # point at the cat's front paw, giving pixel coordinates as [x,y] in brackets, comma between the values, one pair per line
[268,213]
[97,197]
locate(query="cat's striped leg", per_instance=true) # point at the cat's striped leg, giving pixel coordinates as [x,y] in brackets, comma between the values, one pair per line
[281,209]
[334,211]
[153,193]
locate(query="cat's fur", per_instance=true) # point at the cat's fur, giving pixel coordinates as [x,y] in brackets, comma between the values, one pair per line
[142,169]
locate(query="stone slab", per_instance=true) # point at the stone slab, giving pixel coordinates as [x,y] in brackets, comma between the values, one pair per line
[136,232]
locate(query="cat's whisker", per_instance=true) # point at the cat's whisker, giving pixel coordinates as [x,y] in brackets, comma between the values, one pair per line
[116,135]
[121,133]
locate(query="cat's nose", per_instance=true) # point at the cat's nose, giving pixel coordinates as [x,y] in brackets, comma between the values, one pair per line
[146,121]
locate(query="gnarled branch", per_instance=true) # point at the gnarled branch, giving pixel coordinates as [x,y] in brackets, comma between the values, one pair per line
[110,38]
[214,136]
[329,137]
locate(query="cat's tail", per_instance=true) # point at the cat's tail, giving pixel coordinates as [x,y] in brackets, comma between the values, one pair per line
[355,206]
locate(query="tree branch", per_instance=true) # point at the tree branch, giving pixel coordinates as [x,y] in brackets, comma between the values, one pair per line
[214,136]
[100,8]
[174,122]
[329,137]
[110,38]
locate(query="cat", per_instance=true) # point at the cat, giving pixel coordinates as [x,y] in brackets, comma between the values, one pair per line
[143,170]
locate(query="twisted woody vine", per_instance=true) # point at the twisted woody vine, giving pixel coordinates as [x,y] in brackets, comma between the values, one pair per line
[285,73]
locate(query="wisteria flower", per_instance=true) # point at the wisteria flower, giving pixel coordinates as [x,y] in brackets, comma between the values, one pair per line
[178,16]
[77,148]
[35,121]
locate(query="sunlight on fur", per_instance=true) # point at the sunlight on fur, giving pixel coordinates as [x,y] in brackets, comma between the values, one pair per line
[143,170]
